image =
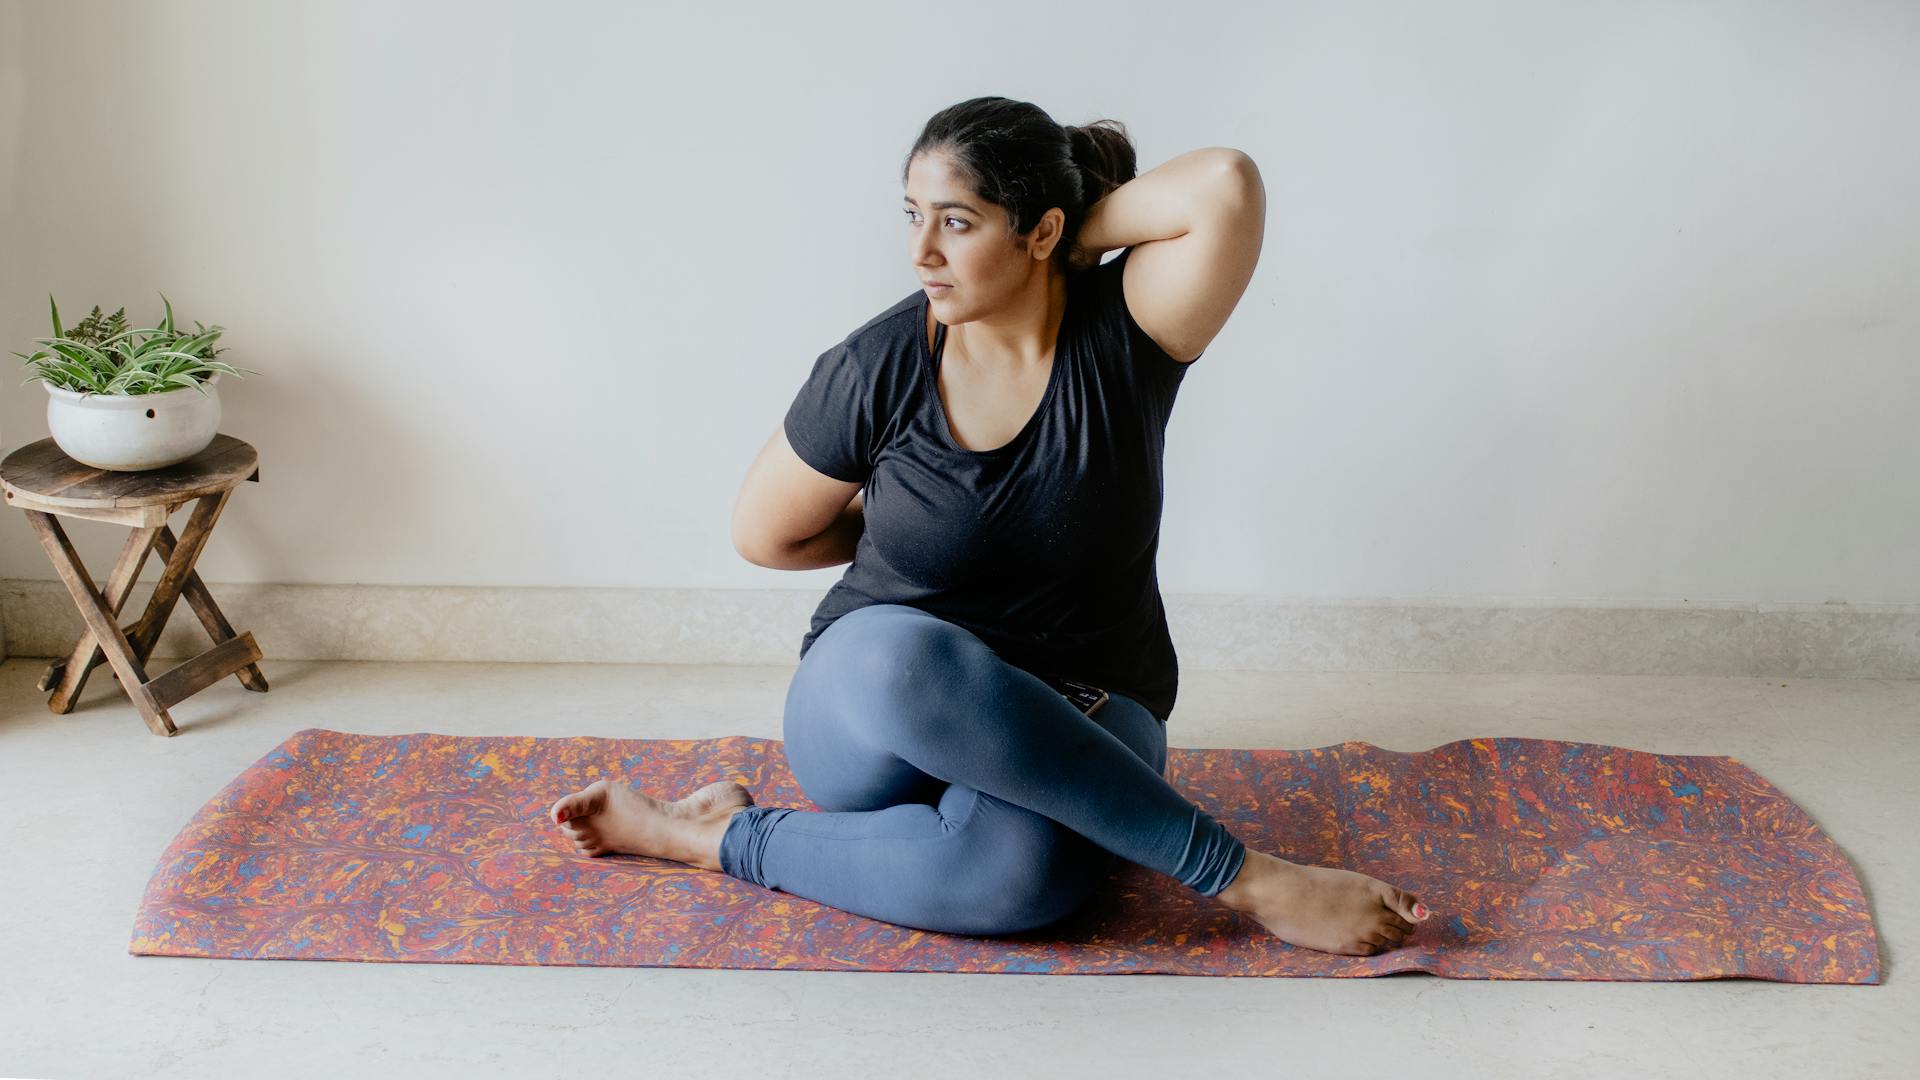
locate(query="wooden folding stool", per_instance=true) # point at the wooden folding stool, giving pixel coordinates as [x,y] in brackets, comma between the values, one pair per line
[47,484]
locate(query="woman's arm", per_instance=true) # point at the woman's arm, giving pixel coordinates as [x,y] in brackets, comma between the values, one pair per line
[1156,205]
[832,546]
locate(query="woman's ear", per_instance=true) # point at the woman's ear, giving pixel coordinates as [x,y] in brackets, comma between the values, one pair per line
[1046,235]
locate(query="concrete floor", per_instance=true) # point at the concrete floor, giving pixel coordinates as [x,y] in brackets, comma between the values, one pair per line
[91,799]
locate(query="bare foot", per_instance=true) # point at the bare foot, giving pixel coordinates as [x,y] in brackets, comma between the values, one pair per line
[607,818]
[1319,907]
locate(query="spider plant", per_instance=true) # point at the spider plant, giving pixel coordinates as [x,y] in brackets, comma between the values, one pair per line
[102,356]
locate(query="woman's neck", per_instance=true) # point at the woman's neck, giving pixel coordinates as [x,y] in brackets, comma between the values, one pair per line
[1016,338]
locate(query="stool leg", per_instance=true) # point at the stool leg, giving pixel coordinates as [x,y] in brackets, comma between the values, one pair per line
[209,612]
[166,592]
[71,672]
[100,619]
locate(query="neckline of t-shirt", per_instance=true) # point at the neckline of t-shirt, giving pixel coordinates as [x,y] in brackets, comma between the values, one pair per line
[932,368]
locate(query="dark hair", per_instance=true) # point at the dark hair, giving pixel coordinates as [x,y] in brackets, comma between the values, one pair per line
[1016,157]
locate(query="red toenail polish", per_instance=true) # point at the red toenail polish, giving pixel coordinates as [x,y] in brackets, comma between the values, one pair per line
[1420,911]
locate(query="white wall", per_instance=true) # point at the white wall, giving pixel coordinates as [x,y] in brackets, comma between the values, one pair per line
[1558,300]
[13,104]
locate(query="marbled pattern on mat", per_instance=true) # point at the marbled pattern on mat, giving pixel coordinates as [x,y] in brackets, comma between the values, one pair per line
[1541,860]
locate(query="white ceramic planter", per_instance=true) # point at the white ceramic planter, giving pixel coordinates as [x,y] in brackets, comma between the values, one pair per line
[134,432]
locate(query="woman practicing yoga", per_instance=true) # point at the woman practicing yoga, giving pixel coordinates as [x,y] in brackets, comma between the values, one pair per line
[1004,426]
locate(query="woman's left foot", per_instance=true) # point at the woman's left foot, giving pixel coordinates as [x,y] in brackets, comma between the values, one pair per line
[606,818]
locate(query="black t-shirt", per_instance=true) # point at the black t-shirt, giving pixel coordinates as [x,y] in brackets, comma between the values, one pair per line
[1044,547]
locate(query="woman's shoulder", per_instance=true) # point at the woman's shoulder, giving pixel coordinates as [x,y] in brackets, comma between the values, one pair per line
[880,354]
[891,330]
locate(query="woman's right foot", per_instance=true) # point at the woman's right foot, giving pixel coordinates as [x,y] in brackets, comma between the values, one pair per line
[607,818]
[1319,907]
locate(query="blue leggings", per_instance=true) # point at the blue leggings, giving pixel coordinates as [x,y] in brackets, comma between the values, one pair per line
[963,794]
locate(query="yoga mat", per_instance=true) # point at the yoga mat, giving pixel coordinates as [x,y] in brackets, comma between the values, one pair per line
[1540,859]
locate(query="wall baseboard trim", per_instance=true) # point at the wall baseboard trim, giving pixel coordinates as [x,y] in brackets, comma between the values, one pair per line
[1211,631]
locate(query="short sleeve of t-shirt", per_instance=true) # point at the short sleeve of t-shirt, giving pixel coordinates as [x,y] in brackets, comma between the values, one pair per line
[1150,368]
[831,421]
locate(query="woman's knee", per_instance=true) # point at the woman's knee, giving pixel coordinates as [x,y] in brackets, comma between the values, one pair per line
[899,658]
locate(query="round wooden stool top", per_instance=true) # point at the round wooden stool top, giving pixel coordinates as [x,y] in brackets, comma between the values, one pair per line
[41,473]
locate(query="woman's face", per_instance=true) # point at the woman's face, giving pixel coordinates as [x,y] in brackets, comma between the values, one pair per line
[956,237]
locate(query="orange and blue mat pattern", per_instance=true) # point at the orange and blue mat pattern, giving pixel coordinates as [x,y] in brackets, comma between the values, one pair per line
[1540,859]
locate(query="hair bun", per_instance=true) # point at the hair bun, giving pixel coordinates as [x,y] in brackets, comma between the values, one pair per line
[1104,154]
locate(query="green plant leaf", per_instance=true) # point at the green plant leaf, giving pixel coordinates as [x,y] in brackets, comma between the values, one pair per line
[148,348]
[79,352]
[123,334]
[75,376]
[200,341]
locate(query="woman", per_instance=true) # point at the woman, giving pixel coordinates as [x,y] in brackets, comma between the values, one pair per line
[1004,427]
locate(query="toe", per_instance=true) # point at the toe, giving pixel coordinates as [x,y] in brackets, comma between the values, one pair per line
[583,803]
